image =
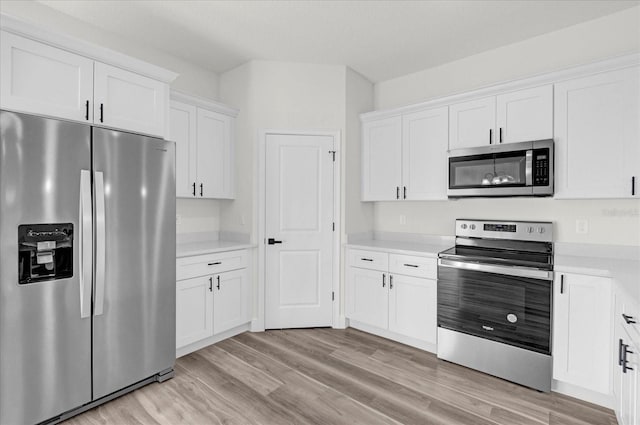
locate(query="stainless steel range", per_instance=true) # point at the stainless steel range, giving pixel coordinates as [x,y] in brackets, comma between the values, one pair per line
[494,300]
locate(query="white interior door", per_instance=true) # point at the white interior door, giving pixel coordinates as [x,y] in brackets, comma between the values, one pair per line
[299,213]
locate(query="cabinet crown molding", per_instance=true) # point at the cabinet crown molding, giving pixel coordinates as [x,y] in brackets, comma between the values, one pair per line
[610,64]
[204,103]
[92,51]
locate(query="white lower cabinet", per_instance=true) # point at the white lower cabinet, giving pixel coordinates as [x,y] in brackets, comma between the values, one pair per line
[212,297]
[626,360]
[398,306]
[582,331]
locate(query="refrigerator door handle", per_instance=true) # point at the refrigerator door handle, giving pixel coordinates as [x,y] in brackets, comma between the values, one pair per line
[86,243]
[100,244]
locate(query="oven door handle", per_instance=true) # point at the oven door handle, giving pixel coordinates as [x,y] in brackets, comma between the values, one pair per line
[489,268]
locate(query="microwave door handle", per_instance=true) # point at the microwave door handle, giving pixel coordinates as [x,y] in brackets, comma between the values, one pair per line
[528,172]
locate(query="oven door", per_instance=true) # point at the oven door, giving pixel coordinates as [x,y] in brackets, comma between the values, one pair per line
[506,304]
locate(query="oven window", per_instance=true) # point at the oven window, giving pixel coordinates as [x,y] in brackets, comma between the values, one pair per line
[503,169]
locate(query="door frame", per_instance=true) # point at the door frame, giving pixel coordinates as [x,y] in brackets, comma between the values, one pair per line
[258,322]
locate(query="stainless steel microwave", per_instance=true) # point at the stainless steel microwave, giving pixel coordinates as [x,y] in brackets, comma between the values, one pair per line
[510,169]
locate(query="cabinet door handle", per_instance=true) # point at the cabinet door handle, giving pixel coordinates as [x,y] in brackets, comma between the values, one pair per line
[629,319]
[194,188]
[384,280]
[500,134]
[405,191]
[86,111]
[102,112]
[633,186]
[397,192]
[367,259]
[562,284]
[214,264]
[218,286]
[620,348]
[390,281]
[626,351]
[210,284]
[201,185]
[410,265]
[490,136]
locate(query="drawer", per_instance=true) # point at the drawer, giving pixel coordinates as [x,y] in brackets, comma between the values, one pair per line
[373,260]
[201,265]
[412,265]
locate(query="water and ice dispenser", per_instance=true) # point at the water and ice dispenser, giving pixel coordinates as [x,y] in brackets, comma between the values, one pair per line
[45,252]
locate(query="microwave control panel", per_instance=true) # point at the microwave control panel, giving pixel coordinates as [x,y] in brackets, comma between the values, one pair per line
[541,167]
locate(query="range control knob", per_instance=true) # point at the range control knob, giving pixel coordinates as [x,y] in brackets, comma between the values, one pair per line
[540,229]
[464,226]
[473,227]
[529,229]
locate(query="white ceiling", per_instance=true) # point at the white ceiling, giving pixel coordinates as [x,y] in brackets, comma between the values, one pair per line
[379,39]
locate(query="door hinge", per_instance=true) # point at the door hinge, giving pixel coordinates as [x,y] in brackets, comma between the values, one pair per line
[334,155]
[333,296]
[333,226]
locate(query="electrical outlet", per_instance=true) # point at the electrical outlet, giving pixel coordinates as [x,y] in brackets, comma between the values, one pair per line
[403,219]
[242,220]
[582,226]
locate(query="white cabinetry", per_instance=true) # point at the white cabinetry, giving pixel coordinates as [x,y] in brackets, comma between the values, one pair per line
[392,295]
[518,116]
[626,360]
[40,79]
[204,135]
[212,297]
[404,156]
[598,135]
[582,331]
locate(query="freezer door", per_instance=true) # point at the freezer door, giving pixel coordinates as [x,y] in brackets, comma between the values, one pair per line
[135,242]
[45,322]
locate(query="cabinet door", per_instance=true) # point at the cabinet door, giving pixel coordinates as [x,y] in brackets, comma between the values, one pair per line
[597,131]
[194,310]
[425,137]
[40,79]
[412,307]
[215,157]
[382,159]
[582,331]
[129,101]
[472,123]
[231,300]
[367,298]
[525,115]
[182,131]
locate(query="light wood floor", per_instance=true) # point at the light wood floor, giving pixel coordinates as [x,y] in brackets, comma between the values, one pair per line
[327,376]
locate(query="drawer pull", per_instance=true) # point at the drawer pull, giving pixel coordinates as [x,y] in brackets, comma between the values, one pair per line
[411,265]
[366,259]
[629,319]
[217,263]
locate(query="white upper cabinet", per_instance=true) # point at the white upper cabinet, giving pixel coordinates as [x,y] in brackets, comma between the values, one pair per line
[425,136]
[204,136]
[126,100]
[182,131]
[382,159]
[518,116]
[472,123]
[40,79]
[597,129]
[525,115]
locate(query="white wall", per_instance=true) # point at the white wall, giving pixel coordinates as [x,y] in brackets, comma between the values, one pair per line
[610,221]
[201,215]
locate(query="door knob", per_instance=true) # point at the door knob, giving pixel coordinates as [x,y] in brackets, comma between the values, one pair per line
[272,241]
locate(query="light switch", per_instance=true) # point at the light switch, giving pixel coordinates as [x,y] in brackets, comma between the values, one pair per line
[582,226]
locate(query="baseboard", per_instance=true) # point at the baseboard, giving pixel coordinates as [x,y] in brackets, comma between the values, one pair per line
[414,342]
[584,394]
[257,326]
[341,324]
[183,351]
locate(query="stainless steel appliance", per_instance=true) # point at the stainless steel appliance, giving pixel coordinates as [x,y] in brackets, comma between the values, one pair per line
[87,256]
[494,300]
[511,169]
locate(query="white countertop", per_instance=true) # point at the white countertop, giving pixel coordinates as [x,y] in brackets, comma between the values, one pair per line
[402,247]
[189,249]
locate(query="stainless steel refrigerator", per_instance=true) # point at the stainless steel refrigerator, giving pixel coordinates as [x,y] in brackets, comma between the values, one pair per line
[87,265]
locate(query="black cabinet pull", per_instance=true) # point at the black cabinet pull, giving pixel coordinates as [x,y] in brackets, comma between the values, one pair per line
[272,241]
[194,188]
[626,351]
[210,284]
[405,191]
[397,192]
[218,285]
[410,265]
[214,264]
[86,112]
[500,134]
[390,281]
[490,136]
[629,319]
[633,186]
[101,112]
[201,189]
[384,280]
[366,259]
[562,284]
[620,348]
